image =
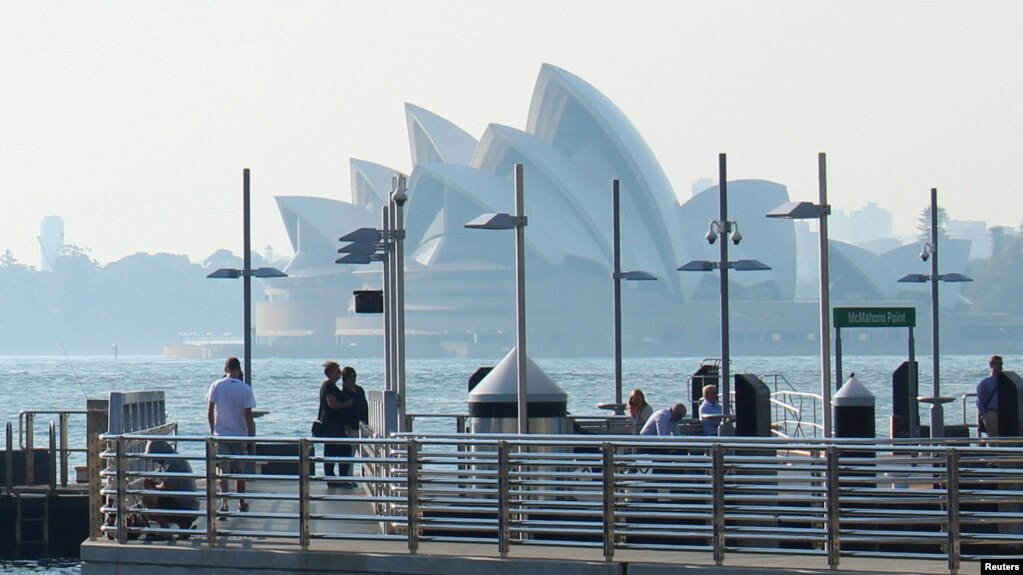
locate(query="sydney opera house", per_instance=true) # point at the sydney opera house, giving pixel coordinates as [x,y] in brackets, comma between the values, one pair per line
[460,284]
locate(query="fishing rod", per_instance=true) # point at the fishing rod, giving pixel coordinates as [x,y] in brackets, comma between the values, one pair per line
[72,366]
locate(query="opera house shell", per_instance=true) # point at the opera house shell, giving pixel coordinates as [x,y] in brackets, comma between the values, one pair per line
[460,282]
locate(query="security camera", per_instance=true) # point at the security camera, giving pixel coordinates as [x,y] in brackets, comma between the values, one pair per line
[736,237]
[711,236]
[924,254]
[399,195]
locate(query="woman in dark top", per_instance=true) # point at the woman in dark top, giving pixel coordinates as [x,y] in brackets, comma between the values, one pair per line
[334,413]
[356,414]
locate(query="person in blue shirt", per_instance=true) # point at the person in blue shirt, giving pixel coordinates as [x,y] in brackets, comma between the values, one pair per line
[710,410]
[987,397]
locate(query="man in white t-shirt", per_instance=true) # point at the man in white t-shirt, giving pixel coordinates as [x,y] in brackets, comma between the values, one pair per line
[230,415]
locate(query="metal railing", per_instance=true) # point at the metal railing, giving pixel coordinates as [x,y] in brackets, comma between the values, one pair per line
[26,440]
[954,500]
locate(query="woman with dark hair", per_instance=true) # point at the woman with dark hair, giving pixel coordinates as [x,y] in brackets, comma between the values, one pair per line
[333,416]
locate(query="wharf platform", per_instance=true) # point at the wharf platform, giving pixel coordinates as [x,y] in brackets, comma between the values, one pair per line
[235,554]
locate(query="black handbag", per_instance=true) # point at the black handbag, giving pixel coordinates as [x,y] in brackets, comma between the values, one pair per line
[317,428]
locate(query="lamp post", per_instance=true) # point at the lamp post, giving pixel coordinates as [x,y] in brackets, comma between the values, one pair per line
[820,212]
[502,221]
[930,250]
[247,273]
[722,227]
[618,276]
[379,245]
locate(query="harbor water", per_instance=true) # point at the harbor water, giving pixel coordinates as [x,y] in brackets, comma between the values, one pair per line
[288,389]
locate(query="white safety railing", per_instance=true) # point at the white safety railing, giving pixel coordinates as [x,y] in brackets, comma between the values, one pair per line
[953,500]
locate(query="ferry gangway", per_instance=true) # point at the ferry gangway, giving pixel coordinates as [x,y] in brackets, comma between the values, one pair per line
[953,500]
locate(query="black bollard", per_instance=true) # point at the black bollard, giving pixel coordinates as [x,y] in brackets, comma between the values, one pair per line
[854,410]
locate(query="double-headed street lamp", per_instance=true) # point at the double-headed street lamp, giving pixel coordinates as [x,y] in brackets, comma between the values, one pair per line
[387,245]
[618,275]
[818,211]
[247,273]
[930,251]
[723,226]
[502,221]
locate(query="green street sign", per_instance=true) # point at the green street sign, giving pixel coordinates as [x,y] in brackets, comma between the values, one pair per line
[875,317]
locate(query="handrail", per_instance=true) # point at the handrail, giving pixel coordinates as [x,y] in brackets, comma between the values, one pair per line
[26,440]
[951,499]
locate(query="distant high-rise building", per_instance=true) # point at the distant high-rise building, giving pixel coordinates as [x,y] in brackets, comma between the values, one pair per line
[870,223]
[976,232]
[51,240]
[702,184]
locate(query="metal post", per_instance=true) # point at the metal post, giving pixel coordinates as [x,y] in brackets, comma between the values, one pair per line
[52,459]
[717,453]
[64,454]
[303,494]
[121,497]
[9,461]
[520,297]
[399,281]
[388,309]
[503,496]
[914,415]
[825,291]
[247,277]
[95,484]
[838,358]
[617,275]
[727,427]
[952,493]
[29,448]
[412,477]
[211,491]
[608,450]
[831,521]
[391,265]
[937,410]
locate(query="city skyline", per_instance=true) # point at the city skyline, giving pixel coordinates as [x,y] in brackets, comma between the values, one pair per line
[134,121]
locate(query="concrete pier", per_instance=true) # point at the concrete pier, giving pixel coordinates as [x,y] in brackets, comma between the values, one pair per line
[238,557]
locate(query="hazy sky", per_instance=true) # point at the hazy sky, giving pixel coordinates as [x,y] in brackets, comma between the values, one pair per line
[133,120]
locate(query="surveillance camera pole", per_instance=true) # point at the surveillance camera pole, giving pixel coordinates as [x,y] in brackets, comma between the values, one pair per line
[937,410]
[727,428]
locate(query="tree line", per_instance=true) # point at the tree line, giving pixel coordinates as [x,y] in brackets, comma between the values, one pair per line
[140,302]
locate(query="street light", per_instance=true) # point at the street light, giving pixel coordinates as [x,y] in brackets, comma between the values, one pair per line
[378,245]
[819,211]
[618,276]
[724,227]
[247,273]
[930,250]
[503,221]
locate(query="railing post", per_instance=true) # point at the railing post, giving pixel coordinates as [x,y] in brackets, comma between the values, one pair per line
[412,492]
[952,490]
[303,494]
[9,460]
[52,459]
[121,498]
[211,491]
[718,502]
[92,462]
[609,500]
[63,449]
[831,509]
[503,499]
[30,468]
